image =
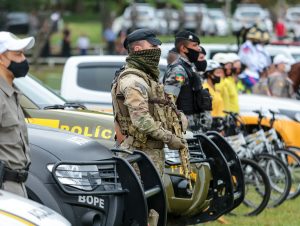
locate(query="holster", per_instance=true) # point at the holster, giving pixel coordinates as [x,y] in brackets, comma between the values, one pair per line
[14,175]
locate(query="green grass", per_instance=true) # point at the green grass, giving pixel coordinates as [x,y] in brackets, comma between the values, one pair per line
[284,215]
[90,25]
[92,29]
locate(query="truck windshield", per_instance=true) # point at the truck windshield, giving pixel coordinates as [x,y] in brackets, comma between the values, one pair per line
[38,93]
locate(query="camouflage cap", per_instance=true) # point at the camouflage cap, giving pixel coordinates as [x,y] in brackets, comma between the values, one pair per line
[142,34]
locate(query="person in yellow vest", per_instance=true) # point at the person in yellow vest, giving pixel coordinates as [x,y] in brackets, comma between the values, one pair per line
[223,86]
[213,75]
[232,80]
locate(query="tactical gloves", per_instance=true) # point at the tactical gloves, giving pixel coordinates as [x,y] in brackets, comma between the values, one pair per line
[175,143]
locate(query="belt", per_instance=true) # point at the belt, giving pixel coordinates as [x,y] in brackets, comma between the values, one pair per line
[129,141]
[152,144]
[16,176]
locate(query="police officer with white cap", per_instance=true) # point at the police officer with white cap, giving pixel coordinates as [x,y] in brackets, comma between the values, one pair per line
[279,83]
[14,147]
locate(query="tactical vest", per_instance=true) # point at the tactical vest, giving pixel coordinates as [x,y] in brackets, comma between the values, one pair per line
[160,108]
[192,97]
[185,99]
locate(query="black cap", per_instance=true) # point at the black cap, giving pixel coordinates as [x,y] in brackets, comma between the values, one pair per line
[173,50]
[142,34]
[203,51]
[186,35]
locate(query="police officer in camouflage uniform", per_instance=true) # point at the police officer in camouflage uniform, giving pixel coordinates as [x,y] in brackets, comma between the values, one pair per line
[143,114]
[181,78]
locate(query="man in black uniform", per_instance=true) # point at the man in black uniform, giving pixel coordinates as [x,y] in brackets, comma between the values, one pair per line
[183,83]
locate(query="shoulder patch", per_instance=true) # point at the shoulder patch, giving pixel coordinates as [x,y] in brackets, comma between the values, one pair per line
[141,87]
[179,78]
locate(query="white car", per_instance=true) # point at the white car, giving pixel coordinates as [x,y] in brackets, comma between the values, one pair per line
[247,15]
[191,13]
[292,19]
[290,51]
[145,16]
[168,20]
[88,79]
[220,21]
[284,106]
[18,211]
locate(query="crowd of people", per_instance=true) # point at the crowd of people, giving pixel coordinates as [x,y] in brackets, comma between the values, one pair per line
[251,70]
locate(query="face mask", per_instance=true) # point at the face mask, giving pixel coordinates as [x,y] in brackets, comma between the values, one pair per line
[287,68]
[19,69]
[201,65]
[192,55]
[236,71]
[215,79]
[228,72]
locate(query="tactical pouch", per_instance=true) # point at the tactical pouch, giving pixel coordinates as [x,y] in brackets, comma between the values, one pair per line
[202,98]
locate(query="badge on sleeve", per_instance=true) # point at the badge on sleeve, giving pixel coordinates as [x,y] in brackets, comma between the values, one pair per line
[179,78]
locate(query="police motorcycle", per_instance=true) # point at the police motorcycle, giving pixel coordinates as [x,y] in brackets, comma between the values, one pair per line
[87,184]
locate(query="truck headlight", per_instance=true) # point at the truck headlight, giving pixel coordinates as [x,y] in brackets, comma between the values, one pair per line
[84,177]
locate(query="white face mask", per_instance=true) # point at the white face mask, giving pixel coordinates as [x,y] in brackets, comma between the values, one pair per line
[287,68]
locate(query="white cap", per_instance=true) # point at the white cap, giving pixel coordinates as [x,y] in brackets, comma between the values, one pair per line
[281,59]
[9,41]
[212,65]
[221,58]
[233,57]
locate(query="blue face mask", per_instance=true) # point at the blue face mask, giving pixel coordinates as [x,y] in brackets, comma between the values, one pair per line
[19,69]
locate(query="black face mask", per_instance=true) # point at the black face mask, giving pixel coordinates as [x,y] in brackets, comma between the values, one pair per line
[19,69]
[215,79]
[192,55]
[201,65]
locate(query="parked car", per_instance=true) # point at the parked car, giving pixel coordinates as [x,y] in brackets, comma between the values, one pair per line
[195,11]
[18,211]
[145,16]
[42,106]
[247,15]
[168,20]
[17,22]
[288,123]
[292,19]
[85,182]
[220,21]
[292,52]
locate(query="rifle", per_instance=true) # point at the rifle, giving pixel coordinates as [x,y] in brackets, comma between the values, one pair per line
[183,152]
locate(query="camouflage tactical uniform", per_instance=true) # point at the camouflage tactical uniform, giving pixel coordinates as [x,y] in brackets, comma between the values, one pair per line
[175,78]
[280,85]
[261,87]
[144,114]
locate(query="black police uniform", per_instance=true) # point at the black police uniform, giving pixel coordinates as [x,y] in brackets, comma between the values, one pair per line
[183,82]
